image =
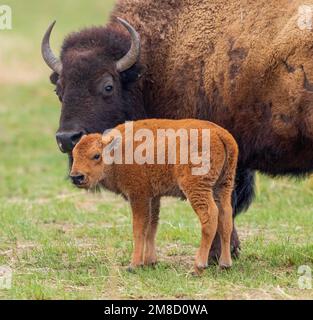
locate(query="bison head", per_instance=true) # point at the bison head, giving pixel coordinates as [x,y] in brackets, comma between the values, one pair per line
[96,80]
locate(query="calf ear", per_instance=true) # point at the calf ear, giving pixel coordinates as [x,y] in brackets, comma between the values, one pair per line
[107,139]
[54,78]
[110,143]
[132,74]
[115,143]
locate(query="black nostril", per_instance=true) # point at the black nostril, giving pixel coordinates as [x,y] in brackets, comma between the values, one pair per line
[76,137]
[67,140]
[78,179]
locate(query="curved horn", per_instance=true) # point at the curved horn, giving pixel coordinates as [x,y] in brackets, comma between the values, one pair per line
[51,60]
[133,54]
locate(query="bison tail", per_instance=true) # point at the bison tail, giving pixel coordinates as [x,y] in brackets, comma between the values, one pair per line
[244,190]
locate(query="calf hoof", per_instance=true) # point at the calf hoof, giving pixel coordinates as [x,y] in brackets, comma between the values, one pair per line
[199,268]
[132,268]
[150,262]
[195,274]
[225,265]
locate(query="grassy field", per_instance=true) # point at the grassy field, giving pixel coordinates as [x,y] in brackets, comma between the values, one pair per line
[67,244]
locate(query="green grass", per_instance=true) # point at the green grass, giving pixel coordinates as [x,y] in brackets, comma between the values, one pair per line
[67,244]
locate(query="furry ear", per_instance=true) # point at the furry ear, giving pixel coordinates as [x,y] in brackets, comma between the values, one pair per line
[133,74]
[111,143]
[54,78]
[114,144]
[111,152]
[107,139]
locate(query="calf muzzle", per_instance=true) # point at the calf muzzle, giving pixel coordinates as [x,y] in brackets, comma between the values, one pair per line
[78,179]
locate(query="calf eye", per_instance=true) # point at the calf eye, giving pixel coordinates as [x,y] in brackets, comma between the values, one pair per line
[96,156]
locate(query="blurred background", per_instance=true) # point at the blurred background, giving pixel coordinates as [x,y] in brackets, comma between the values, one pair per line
[64,243]
[29,109]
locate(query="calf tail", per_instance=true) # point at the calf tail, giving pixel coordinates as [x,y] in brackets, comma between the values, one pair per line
[231,158]
[243,193]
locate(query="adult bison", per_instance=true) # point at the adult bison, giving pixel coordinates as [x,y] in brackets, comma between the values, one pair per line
[245,65]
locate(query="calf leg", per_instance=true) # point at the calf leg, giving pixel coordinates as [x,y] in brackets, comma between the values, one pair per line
[141,213]
[225,225]
[150,257]
[241,199]
[215,251]
[207,211]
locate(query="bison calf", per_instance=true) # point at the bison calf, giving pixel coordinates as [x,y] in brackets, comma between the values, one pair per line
[126,162]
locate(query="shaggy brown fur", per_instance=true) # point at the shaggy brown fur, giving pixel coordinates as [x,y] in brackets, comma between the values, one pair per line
[242,64]
[144,184]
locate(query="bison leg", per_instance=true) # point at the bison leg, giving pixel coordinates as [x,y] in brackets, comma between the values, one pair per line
[241,200]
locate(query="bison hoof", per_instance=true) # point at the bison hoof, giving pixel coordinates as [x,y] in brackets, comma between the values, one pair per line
[216,252]
[235,252]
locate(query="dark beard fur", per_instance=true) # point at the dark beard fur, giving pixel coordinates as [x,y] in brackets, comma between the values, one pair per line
[70,161]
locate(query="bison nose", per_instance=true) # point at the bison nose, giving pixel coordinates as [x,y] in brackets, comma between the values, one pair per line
[67,140]
[78,179]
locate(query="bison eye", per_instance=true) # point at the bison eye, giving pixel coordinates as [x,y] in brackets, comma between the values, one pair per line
[96,156]
[106,85]
[108,88]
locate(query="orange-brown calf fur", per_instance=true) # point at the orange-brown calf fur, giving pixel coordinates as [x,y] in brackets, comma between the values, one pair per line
[144,184]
